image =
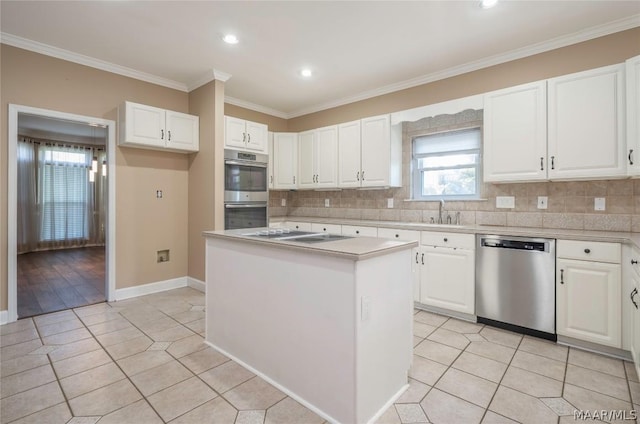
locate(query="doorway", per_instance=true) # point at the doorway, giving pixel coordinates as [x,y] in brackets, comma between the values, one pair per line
[61,240]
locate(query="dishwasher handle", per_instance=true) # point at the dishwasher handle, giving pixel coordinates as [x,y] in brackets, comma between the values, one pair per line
[539,246]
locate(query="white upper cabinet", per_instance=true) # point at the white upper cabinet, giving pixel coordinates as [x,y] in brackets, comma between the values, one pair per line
[349,154]
[370,153]
[586,124]
[150,127]
[515,133]
[285,160]
[318,158]
[245,135]
[633,116]
[379,153]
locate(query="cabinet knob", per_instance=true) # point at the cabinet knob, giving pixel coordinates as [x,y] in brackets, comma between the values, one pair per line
[357,231]
[634,262]
[324,229]
[397,235]
[446,239]
[587,251]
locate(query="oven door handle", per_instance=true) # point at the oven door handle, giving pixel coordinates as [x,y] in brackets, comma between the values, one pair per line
[242,163]
[245,205]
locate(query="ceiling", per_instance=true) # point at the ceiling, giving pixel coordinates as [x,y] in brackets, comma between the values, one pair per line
[356,49]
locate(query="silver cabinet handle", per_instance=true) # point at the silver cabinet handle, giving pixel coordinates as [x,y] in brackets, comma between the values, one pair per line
[630,157]
[541,163]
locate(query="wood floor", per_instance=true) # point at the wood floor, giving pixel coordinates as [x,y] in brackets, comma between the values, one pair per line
[60,279]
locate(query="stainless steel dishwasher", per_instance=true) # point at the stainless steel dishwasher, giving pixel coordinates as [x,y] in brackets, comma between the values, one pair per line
[516,284]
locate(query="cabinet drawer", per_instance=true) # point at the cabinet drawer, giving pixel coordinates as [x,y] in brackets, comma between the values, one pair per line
[326,228]
[589,251]
[350,230]
[404,235]
[457,240]
[295,225]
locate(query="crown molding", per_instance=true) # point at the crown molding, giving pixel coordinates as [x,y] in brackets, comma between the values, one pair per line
[213,74]
[45,49]
[555,43]
[256,107]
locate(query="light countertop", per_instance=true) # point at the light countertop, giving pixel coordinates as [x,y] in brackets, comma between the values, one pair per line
[356,248]
[587,235]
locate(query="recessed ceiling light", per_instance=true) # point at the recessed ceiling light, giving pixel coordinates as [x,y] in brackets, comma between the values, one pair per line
[230,39]
[488,4]
[306,72]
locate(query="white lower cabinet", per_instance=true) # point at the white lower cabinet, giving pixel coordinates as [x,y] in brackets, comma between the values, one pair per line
[407,235]
[357,231]
[299,226]
[588,292]
[326,228]
[447,275]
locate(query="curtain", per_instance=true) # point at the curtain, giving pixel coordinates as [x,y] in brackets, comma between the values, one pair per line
[61,199]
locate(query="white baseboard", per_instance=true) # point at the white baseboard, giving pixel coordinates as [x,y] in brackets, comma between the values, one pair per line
[194,283]
[4,317]
[150,288]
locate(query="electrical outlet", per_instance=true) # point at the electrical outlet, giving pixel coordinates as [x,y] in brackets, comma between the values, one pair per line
[327,203]
[505,202]
[390,203]
[159,194]
[163,255]
[283,202]
[599,204]
[543,202]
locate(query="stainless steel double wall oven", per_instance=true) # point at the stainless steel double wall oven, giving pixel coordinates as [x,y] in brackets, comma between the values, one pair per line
[246,192]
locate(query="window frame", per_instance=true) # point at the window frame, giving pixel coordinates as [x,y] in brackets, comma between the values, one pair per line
[416,171]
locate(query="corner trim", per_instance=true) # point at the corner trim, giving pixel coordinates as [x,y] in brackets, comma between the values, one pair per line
[150,288]
[4,317]
[196,284]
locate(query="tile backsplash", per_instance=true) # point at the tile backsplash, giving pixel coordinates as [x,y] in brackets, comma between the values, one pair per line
[570,204]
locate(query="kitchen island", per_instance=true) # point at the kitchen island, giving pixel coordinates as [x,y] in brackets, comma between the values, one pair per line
[328,322]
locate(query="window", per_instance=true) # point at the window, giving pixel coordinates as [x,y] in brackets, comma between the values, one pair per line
[446,165]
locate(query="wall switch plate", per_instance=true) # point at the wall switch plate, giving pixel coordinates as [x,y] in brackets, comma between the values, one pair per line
[390,203]
[283,202]
[505,202]
[159,194]
[599,204]
[543,202]
[327,203]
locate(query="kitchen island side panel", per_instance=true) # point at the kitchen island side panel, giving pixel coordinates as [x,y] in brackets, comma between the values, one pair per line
[289,315]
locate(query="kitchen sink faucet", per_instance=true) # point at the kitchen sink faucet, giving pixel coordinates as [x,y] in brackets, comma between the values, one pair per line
[440,208]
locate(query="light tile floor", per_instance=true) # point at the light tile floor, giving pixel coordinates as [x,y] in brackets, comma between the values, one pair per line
[143,360]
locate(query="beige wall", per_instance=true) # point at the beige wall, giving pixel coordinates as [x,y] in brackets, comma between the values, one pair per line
[205,189]
[144,224]
[275,124]
[602,51]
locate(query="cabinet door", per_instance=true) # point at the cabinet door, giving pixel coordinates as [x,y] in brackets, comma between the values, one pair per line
[633,116]
[183,131]
[586,132]
[270,143]
[285,160]
[306,159]
[256,137]
[515,133]
[235,134]
[447,278]
[145,125]
[634,320]
[327,157]
[375,151]
[349,154]
[588,301]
